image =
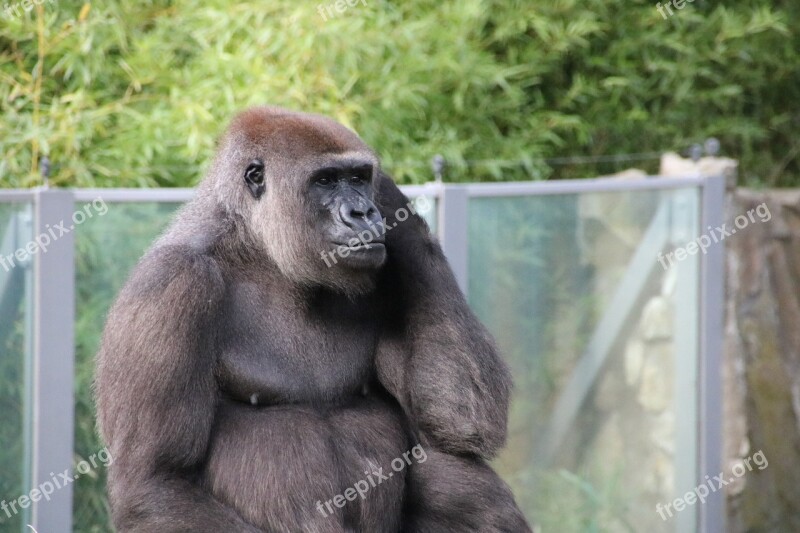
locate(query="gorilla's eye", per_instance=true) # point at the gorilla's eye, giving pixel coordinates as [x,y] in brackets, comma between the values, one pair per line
[325,177]
[255,172]
[361,175]
[254,177]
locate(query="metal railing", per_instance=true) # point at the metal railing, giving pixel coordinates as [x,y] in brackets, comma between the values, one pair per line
[52,350]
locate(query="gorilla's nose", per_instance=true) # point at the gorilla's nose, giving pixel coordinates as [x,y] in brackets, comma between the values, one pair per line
[361,216]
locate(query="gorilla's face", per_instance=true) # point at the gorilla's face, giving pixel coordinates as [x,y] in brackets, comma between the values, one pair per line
[349,222]
[305,186]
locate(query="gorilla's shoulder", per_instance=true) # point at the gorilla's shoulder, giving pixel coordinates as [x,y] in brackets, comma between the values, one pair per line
[178,269]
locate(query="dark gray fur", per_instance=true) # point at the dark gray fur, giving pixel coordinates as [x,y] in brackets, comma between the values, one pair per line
[348,366]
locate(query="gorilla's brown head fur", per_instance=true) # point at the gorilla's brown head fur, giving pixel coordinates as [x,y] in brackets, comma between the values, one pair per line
[314,194]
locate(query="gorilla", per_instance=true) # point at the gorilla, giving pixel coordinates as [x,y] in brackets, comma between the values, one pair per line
[246,382]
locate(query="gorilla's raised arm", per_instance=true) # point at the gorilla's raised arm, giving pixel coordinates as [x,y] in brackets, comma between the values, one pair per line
[435,356]
[156,395]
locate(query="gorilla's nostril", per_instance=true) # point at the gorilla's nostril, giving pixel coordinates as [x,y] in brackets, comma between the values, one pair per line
[359,216]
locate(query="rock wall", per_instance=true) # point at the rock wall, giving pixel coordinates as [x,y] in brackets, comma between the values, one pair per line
[761,372]
[762,361]
[761,366]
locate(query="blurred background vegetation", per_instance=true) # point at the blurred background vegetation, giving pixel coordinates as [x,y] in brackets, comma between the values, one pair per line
[135,93]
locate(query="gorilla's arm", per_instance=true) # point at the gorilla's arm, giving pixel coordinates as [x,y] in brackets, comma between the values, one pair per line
[156,395]
[435,356]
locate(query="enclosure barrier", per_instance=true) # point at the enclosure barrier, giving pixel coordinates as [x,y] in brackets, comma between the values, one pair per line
[45,283]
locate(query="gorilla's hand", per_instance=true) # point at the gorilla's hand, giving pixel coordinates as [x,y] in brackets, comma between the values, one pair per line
[435,356]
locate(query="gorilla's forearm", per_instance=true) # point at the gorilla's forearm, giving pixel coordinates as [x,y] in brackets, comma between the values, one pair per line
[171,504]
[436,357]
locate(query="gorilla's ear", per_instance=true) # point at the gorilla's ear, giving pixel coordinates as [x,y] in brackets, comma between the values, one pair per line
[254,177]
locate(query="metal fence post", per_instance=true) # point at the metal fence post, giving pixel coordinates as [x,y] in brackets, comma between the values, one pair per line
[712,305]
[685,222]
[453,231]
[53,357]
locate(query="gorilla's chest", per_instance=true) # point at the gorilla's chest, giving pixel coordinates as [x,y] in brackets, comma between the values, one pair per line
[279,348]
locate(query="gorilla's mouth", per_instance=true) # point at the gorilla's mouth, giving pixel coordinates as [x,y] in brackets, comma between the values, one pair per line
[362,246]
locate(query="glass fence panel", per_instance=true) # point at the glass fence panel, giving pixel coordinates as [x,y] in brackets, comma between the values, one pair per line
[582,295]
[16,300]
[600,328]
[107,249]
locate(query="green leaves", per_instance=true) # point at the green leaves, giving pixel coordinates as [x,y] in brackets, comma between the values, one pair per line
[136,94]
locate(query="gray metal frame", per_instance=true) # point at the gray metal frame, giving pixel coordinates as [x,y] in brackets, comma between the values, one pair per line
[54,310]
[53,359]
[686,309]
[453,231]
[712,303]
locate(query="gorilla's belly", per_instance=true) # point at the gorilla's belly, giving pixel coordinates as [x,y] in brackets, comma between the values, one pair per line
[279,466]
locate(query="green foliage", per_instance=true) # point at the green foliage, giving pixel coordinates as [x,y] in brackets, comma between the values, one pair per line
[135,93]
